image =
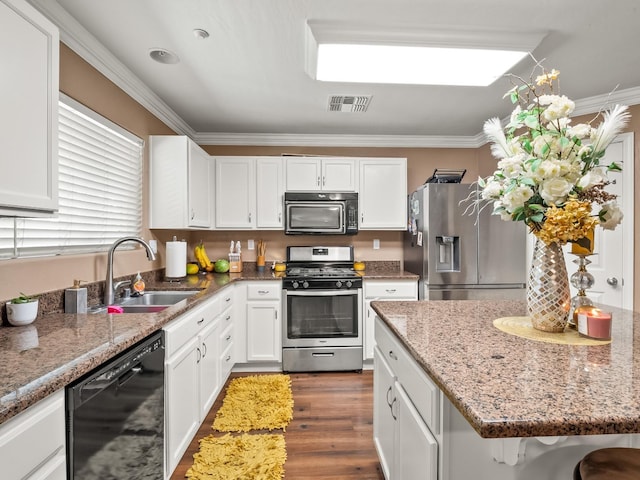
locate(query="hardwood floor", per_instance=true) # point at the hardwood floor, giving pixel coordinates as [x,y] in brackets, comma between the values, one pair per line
[331,434]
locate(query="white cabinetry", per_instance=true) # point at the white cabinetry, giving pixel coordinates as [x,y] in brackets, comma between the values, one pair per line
[383,290]
[192,375]
[313,173]
[382,193]
[264,342]
[29,44]
[181,179]
[32,444]
[269,193]
[406,413]
[226,339]
[235,192]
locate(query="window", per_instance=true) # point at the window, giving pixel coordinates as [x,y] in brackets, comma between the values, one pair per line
[100,190]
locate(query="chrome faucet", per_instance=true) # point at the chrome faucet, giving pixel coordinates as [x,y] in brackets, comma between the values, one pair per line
[109,287]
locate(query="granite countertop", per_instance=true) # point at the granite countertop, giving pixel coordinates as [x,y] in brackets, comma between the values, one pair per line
[58,348]
[508,386]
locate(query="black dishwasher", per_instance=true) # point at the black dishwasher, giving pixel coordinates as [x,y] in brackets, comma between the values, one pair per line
[115,417]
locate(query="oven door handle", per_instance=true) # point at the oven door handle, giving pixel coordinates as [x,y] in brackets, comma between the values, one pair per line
[320,293]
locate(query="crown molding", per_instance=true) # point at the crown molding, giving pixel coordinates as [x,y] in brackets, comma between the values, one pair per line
[629,96]
[319,140]
[76,37]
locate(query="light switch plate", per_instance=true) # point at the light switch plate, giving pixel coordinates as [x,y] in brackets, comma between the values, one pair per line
[376,244]
[250,244]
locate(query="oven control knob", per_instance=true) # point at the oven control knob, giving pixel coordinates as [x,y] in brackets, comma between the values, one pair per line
[338,284]
[294,284]
[305,284]
[349,283]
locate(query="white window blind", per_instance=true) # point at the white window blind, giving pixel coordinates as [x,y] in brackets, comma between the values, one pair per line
[100,190]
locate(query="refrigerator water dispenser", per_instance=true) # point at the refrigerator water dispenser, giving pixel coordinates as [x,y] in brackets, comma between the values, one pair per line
[448,254]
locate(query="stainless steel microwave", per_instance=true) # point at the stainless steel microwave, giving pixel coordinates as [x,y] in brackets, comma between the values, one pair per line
[321,213]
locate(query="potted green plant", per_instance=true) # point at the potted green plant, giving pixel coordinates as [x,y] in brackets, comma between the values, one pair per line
[22,310]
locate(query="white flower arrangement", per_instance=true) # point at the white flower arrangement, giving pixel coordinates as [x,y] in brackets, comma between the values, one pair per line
[549,173]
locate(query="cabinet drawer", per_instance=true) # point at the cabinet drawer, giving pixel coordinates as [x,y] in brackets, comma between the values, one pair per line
[407,289]
[187,326]
[422,391]
[226,318]
[226,363]
[226,338]
[264,291]
[33,437]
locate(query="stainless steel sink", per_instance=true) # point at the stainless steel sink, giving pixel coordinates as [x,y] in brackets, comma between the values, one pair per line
[151,302]
[156,298]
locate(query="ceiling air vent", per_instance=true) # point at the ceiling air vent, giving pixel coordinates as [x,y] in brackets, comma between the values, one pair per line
[349,103]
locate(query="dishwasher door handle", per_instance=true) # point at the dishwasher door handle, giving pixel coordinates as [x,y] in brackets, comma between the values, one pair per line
[128,375]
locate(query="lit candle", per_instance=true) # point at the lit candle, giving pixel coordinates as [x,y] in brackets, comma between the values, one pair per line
[595,324]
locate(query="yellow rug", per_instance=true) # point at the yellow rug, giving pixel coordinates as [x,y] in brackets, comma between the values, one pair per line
[240,457]
[521,327]
[256,402]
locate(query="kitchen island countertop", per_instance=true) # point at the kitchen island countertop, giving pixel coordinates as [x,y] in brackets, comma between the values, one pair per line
[508,386]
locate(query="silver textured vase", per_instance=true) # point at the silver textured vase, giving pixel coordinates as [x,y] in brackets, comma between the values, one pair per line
[548,294]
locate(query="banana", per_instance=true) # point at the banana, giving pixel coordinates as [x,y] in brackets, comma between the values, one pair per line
[202,257]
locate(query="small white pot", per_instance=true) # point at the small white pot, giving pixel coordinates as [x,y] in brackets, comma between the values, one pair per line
[22,313]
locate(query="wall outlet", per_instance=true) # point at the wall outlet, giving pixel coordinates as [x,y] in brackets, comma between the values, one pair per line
[376,244]
[153,243]
[250,244]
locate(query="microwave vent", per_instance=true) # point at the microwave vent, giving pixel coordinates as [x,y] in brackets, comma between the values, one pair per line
[349,103]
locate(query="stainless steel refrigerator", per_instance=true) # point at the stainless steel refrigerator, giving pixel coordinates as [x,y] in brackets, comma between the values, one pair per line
[460,256]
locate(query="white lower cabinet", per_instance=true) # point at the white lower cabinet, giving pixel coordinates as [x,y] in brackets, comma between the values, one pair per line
[264,331]
[405,413]
[193,372]
[32,444]
[382,290]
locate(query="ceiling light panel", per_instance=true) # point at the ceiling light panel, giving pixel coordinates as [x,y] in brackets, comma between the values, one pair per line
[338,51]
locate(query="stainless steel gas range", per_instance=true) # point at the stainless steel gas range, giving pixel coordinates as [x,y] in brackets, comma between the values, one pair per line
[322,305]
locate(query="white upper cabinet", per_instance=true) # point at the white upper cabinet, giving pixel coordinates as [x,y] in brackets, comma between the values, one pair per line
[382,195]
[235,192]
[269,193]
[180,185]
[29,46]
[313,173]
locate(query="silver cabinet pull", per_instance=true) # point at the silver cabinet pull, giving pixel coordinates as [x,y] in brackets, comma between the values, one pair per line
[393,355]
[613,281]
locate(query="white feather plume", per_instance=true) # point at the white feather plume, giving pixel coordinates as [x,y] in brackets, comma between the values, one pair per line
[614,121]
[495,134]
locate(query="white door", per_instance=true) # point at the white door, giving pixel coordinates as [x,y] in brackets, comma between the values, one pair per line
[612,262]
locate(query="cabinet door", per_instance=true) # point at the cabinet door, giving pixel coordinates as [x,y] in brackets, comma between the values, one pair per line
[382,194]
[384,421]
[303,174]
[199,187]
[182,405]
[339,174]
[263,332]
[269,193]
[208,367]
[29,98]
[416,448]
[235,192]
[369,336]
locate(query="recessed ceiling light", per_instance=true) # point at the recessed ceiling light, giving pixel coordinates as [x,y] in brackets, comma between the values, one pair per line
[162,55]
[200,34]
[341,52]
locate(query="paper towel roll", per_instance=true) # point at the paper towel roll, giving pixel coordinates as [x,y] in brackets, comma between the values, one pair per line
[176,260]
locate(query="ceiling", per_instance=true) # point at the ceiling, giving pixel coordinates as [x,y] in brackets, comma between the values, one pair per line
[246,83]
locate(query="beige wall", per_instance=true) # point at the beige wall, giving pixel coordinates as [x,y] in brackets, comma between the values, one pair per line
[82,82]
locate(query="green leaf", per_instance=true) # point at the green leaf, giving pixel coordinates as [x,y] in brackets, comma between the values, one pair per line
[531,121]
[614,167]
[527,181]
[537,207]
[537,218]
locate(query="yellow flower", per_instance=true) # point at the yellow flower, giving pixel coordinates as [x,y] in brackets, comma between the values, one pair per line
[547,78]
[568,223]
